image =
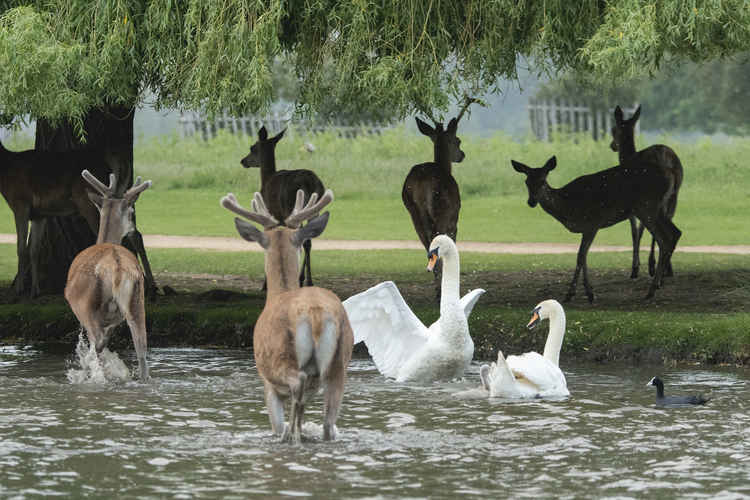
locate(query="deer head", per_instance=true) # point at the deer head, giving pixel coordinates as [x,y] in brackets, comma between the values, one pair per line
[263,149]
[115,214]
[623,130]
[447,145]
[536,178]
[281,243]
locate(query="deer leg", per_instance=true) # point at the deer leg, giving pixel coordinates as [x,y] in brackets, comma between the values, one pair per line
[652,257]
[305,275]
[667,235]
[22,248]
[334,393]
[293,432]
[636,237]
[583,250]
[275,409]
[136,240]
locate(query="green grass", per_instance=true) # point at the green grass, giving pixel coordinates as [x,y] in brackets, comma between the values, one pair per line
[366,175]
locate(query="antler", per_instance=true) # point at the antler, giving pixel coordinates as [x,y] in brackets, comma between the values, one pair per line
[95,183]
[260,213]
[302,213]
[469,102]
[137,188]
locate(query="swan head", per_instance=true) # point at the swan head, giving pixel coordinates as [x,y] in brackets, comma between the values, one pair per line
[442,245]
[484,376]
[543,310]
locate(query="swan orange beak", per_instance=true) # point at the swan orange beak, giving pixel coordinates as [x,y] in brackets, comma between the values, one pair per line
[431,261]
[534,319]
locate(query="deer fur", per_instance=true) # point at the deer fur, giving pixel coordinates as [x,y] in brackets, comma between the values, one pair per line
[302,339]
[105,283]
[591,202]
[623,143]
[38,184]
[279,187]
[430,193]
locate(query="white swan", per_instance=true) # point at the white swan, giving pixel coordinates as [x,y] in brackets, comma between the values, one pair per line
[531,375]
[401,346]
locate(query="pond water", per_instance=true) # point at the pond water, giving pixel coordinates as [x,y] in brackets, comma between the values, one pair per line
[199,430]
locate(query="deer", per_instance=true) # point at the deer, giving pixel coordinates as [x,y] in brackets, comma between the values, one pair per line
[302,339]
[105,283]
[38,184]
[623,143]
[430,193]
[602,199]
[279,187]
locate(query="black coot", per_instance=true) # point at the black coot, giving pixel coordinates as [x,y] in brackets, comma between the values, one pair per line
[663,400]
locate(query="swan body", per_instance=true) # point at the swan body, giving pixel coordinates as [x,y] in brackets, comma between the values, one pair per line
[531,374]
[401,346]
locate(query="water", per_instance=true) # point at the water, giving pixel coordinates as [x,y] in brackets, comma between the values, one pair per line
[200,430]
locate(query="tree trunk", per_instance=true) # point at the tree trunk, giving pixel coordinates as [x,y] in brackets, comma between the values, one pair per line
[55,241]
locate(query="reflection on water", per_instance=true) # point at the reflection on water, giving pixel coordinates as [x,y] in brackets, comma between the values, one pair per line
[200,429]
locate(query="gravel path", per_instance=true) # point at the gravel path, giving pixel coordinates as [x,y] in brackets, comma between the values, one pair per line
[235,244]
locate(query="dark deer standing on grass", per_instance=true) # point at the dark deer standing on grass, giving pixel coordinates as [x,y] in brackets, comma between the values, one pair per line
[38,184]
[302,339]
[279,188]
[105,283]
[623,142]
[430,192]
[595,201]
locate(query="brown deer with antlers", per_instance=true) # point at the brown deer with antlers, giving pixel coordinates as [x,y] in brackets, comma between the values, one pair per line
[279,187]
[623,143]
[105,283]
[38,184]
[599,200]
[302,338]
[430,192]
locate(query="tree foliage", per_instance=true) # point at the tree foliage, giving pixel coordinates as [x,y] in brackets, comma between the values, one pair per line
[61,58]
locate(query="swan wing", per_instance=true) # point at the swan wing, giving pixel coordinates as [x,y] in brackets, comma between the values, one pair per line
[467,301]
[539,371]
[383,321]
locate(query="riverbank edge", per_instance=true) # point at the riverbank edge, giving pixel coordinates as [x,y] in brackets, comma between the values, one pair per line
[600,336]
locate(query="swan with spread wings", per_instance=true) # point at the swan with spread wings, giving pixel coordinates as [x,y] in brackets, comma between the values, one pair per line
[401,346]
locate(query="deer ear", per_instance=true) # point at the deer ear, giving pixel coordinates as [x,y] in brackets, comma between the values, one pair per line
[95,198]
[250,232]
[312,229]
[636,115]
[618,114]
[263,133]
[425,128]
[551,164]
[519,167]
[278,136]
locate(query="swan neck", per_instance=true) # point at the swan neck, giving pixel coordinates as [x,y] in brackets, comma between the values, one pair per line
[449,292]
[555,335]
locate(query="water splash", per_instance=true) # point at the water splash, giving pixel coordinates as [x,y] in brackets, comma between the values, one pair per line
[89,368]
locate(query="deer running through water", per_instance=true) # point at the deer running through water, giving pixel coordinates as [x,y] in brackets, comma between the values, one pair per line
[595,201]
[105,282]
[302,338]
[279,187]
[430,193]
[623,143]
[38,184]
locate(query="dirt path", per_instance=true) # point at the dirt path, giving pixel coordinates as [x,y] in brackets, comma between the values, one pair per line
[234,244]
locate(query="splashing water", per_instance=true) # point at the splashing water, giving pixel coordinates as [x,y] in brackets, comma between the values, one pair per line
[90,368]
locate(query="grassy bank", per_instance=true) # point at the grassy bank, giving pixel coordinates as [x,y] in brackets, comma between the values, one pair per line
[700,314]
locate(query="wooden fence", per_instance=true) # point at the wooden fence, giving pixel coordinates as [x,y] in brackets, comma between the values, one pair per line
[548,117]
[192,123]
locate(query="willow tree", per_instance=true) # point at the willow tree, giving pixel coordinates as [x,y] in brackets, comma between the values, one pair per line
[79,67]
